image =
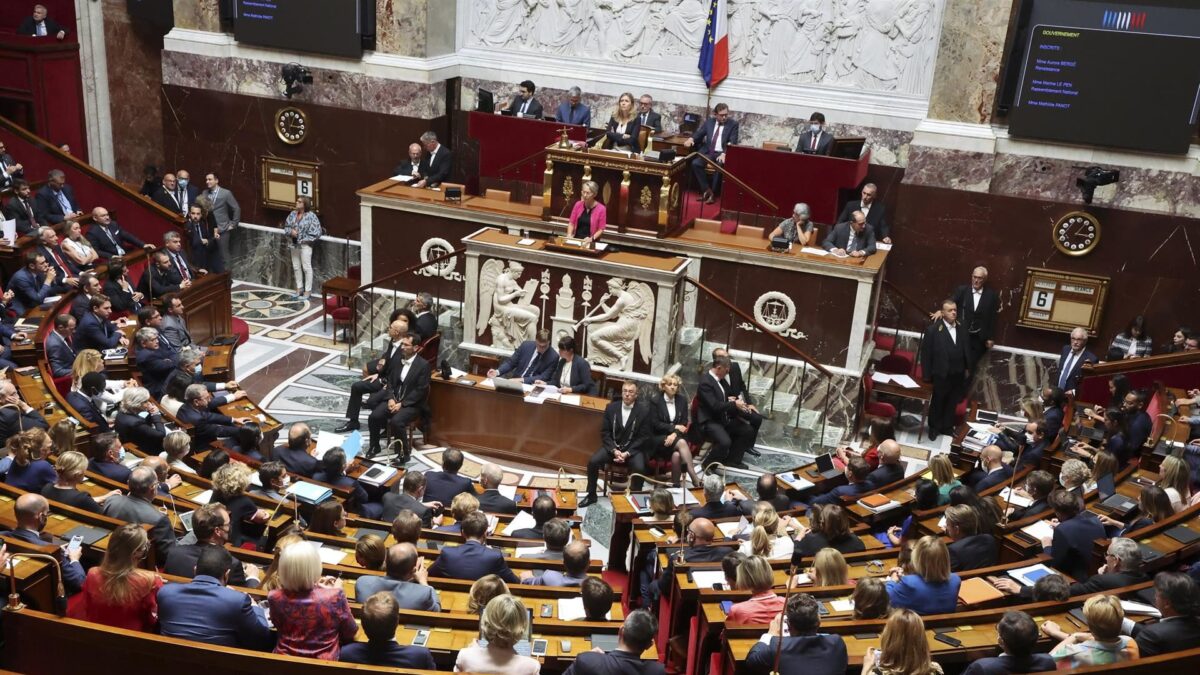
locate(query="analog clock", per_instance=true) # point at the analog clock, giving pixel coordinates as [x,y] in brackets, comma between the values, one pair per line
[291,125]
[1076,233]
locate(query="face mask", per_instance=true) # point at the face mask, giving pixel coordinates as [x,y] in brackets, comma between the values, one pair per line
[121,455]
[199,368]
[815,128]
[287,480]
[183,182]
[1062,481]
[143,414]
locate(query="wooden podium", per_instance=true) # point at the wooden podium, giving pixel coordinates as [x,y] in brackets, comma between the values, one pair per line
[639,194]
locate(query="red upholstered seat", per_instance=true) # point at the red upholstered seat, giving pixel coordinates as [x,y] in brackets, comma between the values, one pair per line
[875,408]
[63,385]
[885,341]
[341,319]
[896,363]
[241,330]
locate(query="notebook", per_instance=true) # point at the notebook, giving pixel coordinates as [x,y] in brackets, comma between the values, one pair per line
[975,590]
[1182,534]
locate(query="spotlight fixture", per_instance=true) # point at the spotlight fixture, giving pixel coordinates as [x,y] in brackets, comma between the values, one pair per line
[295,76]
[1092,178]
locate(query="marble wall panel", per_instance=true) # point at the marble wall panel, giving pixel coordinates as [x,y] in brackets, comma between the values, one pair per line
[197,14]
[400,27]
[955,169]
[970,52]
[134,74]
[262,257]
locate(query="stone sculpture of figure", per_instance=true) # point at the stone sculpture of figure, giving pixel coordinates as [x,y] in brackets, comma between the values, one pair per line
[505,305]
[616,329]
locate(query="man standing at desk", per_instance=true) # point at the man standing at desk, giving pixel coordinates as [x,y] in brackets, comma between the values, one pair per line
[572,111]
[815,141]
[945,355]
[1070,362]
[853,238]
[532,361]
[437,166]
[872,210]
[978,306]
[711,139]
[524,104]
[623,436]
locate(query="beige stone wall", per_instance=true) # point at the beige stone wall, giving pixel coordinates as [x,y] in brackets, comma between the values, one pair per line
[197,15]
[968,62]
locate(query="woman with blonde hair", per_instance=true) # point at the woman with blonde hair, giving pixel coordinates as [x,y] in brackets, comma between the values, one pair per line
[370,552]
[117,593]
[176,447]
[29,472]
[503,624]
[464,503]
[769,535]
[77,247]
[92,361]
[754,574]
[229,488]
[1174,479]
[622,128]
[931,588]
[271,577]
[483,590]
[71,466]
[830,568]
[62,436]
[1101,644]
[903,649]
[668,433]
[943,477]
[310,611]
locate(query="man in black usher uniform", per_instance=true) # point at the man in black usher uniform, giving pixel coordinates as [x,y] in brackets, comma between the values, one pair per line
[408,387]
[374,383]
[946,359]
[524,104]
[719,416]
[437,166]
[872,209]
[712,139]
[622,436]
[10,170]
[815,140]
[737,388]
[977,307]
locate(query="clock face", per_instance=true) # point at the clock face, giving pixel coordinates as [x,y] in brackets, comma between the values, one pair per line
[291,125]
[1076,233]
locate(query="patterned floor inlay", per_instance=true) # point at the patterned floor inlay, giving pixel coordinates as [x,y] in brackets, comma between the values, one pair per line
[259,304]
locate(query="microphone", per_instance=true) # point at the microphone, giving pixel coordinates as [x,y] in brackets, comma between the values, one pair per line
[14,598]
[1012,479]
[787,592]
[173,509]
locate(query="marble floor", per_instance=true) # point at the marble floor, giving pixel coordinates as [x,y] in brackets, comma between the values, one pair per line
[293,367]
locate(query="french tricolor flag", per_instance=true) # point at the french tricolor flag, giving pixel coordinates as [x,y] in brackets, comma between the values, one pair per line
[714,51]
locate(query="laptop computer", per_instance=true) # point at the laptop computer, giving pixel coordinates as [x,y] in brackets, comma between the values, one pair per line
[825,467]
[508,386]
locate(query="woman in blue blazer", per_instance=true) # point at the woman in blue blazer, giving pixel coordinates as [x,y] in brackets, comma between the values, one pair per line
[931,588]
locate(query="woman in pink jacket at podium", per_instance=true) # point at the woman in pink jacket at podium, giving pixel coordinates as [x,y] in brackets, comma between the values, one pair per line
[588,216]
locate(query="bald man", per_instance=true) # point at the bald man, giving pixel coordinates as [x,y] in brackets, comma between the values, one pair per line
[699,538]
[994,470]
[977,305]
[411,166]
[166,480]
[889,470]
[32,511]
[372,385]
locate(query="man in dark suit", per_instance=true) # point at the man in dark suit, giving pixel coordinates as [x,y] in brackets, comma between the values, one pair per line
[81,400]
[717,502]
[32,511]
[1071,360]
[11,172]
[40,25]
[872,210]
[55,202]
[1139,424]
[60,349]
[735,385]
[408,389]
[890,469]
[543,511]
[95,331]
[1070,547]
[1017,636]
[473,558]
[107,459]
[295,455]
[994,470]
[155,360]
[857,471]
[532,361]
[210,526]
[945,359]
[167,195]
[1175,596]
[31,284]
[573,111]
[804,650]
[422,308]
[490,500]
[768,491]
[380,618]
[185,192]
[719,417]
[443,486]
[969,548]
[646,116]
[89,287]
[66,274]
[15,414]
[21,209]
[635,637]
[202,236]
[815,140]
[524,104]
[411,166]
[161,277]
[411,499]
[698,539]
[374,383]
[207,426]
[437,165]
[107,237]
[1038,485]
[712,139]
[556,533]
[851,237]
[977,306]
[138,507]
[622,437]
[572,374]
[206,611]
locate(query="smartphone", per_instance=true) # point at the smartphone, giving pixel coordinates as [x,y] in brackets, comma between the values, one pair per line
[421,639]
[539,648]
[564,646]
[547,611]
[953,642]
[75,543]
[658,534]
[718,586]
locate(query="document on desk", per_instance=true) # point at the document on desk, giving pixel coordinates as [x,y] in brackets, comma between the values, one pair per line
[1015,499]
[331,556]
[509,491]
[571,609]
[794,482]
[814,251]
[731,530]
[526,242]
[882,247]
[881,378]
[1030,575]
[706,578]
[9,230]
[1039,530]
[326,441]
[402,178]
[845,605]
[905,381]
[203,497]
[1132,607]
[521,521]
[683,497]
[571,399]
[488,384]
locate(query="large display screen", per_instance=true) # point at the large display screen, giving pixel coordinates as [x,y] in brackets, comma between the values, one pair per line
[321,26]
[1111,74]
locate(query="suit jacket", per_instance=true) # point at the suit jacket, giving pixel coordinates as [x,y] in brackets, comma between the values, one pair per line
[406,168]
[651,119]
[471,560]
[22,211]
[630,436]
[395,502]
[1071,548]
[818,654]
[444,487]
[913,592]
[167,200]
[704,136]
[122,300]
[142,512]
[554,578]
[839,237]
[824,143]
[29,290]
[616,662]
[632,129]
[412,391]
[408,594]
[226,212]
[112,470]
[491,501]
[1105,582]
[1005,664]
[691,554]
[13,422]
[1167,635]
[296,461]
[1040,506]
[426,325]
[979,322]
[875,217]
[146,433]
[660,420]
[997,477]
[67,269]
[156,366]
[439,171]
[73,574]
[29,27]
[581,376]
[160,281]
[207,426]
[885,474]
[973,552]
[112,241]
[716,509]
[835,495]
[534,110]
[941,355]
[88,410]
[48,209]
[95,333]
[175,330]
[713,402]
[207,611]
[1140,427]
[1076,368]
[737,384]
[60,354]
[580,114]
[388,654]
[181,562]
[541,368]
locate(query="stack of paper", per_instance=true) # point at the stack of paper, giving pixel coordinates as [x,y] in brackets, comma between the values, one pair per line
[521,521]
[1015,499]
[731,530]
[846,605]
[326,441]
[706,578]
[1039,530]
[1132,607]
[331,556]
[794,482]
[378,474]
[509,491]
[891,504]
[814,251]
[203,497]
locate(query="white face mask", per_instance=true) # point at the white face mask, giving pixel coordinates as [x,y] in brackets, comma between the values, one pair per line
[287,480]
[121,455]
[1062,481]
[815,128]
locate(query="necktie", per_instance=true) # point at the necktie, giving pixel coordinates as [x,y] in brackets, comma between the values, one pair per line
[850,241]
[28,210]
[814,143]
[183,270]
[62,265]
[529,366]
[524,107]
[64,203]
[113,239]
[181,197]
[1066,371]
[645,117]
[717,138]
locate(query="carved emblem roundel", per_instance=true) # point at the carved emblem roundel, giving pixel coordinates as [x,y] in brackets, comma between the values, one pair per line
[435,247]
[775,310]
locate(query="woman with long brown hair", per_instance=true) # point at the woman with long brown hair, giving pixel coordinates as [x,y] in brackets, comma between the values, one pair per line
[903,648]
[118,593]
